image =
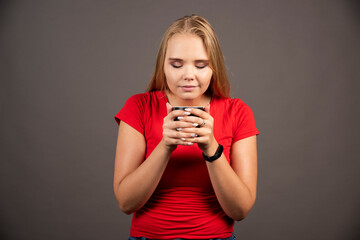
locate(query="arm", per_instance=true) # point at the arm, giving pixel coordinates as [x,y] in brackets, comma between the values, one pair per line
[134,179]
[235,186]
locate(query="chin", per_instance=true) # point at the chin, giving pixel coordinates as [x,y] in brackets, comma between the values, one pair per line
[189,96]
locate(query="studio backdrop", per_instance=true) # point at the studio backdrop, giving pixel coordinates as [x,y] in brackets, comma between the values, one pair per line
[67,67]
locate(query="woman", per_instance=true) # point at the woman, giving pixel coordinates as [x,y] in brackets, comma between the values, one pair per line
[187,173]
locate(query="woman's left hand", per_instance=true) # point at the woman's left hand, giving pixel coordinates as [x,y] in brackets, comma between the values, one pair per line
[203,135]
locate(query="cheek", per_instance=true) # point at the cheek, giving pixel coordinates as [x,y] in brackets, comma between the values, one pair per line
[170,74]
[206,76]
[171,79]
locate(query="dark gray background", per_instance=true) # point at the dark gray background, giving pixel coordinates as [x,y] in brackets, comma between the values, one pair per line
[67,67]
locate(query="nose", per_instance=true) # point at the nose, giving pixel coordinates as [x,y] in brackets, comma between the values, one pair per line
[189,73]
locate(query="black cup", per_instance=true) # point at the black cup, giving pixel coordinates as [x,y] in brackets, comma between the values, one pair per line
[183,108]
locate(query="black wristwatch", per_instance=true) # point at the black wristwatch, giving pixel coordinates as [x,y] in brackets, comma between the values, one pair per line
[217,154]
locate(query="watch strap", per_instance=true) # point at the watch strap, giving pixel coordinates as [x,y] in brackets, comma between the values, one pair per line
[217,154]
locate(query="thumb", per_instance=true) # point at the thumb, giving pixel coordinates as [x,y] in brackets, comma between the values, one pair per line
[207,108]
[168,108]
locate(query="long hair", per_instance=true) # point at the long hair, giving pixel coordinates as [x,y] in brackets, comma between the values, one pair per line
[219,84]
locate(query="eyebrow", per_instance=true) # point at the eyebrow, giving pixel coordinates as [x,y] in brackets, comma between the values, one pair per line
[196,61]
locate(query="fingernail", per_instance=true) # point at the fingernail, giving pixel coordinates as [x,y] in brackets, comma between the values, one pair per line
[193,135]
[187,113]
[195,124]
[182,139]
[188,109]
[180,118]
[190,143]
[179,129]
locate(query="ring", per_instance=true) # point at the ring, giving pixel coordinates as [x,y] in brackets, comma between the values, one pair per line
[203,124]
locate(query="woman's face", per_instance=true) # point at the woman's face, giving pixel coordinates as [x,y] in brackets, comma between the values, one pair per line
[187,70]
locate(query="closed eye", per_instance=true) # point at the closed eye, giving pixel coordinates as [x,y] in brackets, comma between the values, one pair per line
[201,67]
[176,65]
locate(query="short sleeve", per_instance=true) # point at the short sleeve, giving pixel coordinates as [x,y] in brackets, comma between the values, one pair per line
[132,112]
[244,121]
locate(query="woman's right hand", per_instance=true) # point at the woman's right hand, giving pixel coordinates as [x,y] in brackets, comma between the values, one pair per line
[172,130]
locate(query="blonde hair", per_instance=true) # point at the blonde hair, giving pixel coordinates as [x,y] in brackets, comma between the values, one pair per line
[219,85]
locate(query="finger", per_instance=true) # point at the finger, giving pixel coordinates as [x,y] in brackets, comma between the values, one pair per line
[180,142]
[168,108]
[191,119]
[175,125]
[207,108]
[198,131]
[180,135]
[194,130]
[197,139]
[176,113]
[198,112]
[173,113]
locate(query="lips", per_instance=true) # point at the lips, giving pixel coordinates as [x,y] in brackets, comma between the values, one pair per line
[188,87]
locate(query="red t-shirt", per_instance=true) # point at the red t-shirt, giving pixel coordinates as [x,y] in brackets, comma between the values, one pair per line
[184,204]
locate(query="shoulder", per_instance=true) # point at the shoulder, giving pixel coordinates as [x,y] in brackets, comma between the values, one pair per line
[234,118]
[146,98]
[146,103]
[232,104]
[138,98]
[240,105]
[234,110]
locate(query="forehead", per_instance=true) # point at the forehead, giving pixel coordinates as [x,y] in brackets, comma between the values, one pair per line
[186,46]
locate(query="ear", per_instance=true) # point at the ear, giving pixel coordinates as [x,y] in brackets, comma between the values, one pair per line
[168,108]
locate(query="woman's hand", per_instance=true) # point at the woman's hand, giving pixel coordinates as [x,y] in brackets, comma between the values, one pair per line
[174,131]
[203,135]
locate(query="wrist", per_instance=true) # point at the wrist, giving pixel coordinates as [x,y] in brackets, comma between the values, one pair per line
[216,155]
[168,148]
[211,150]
